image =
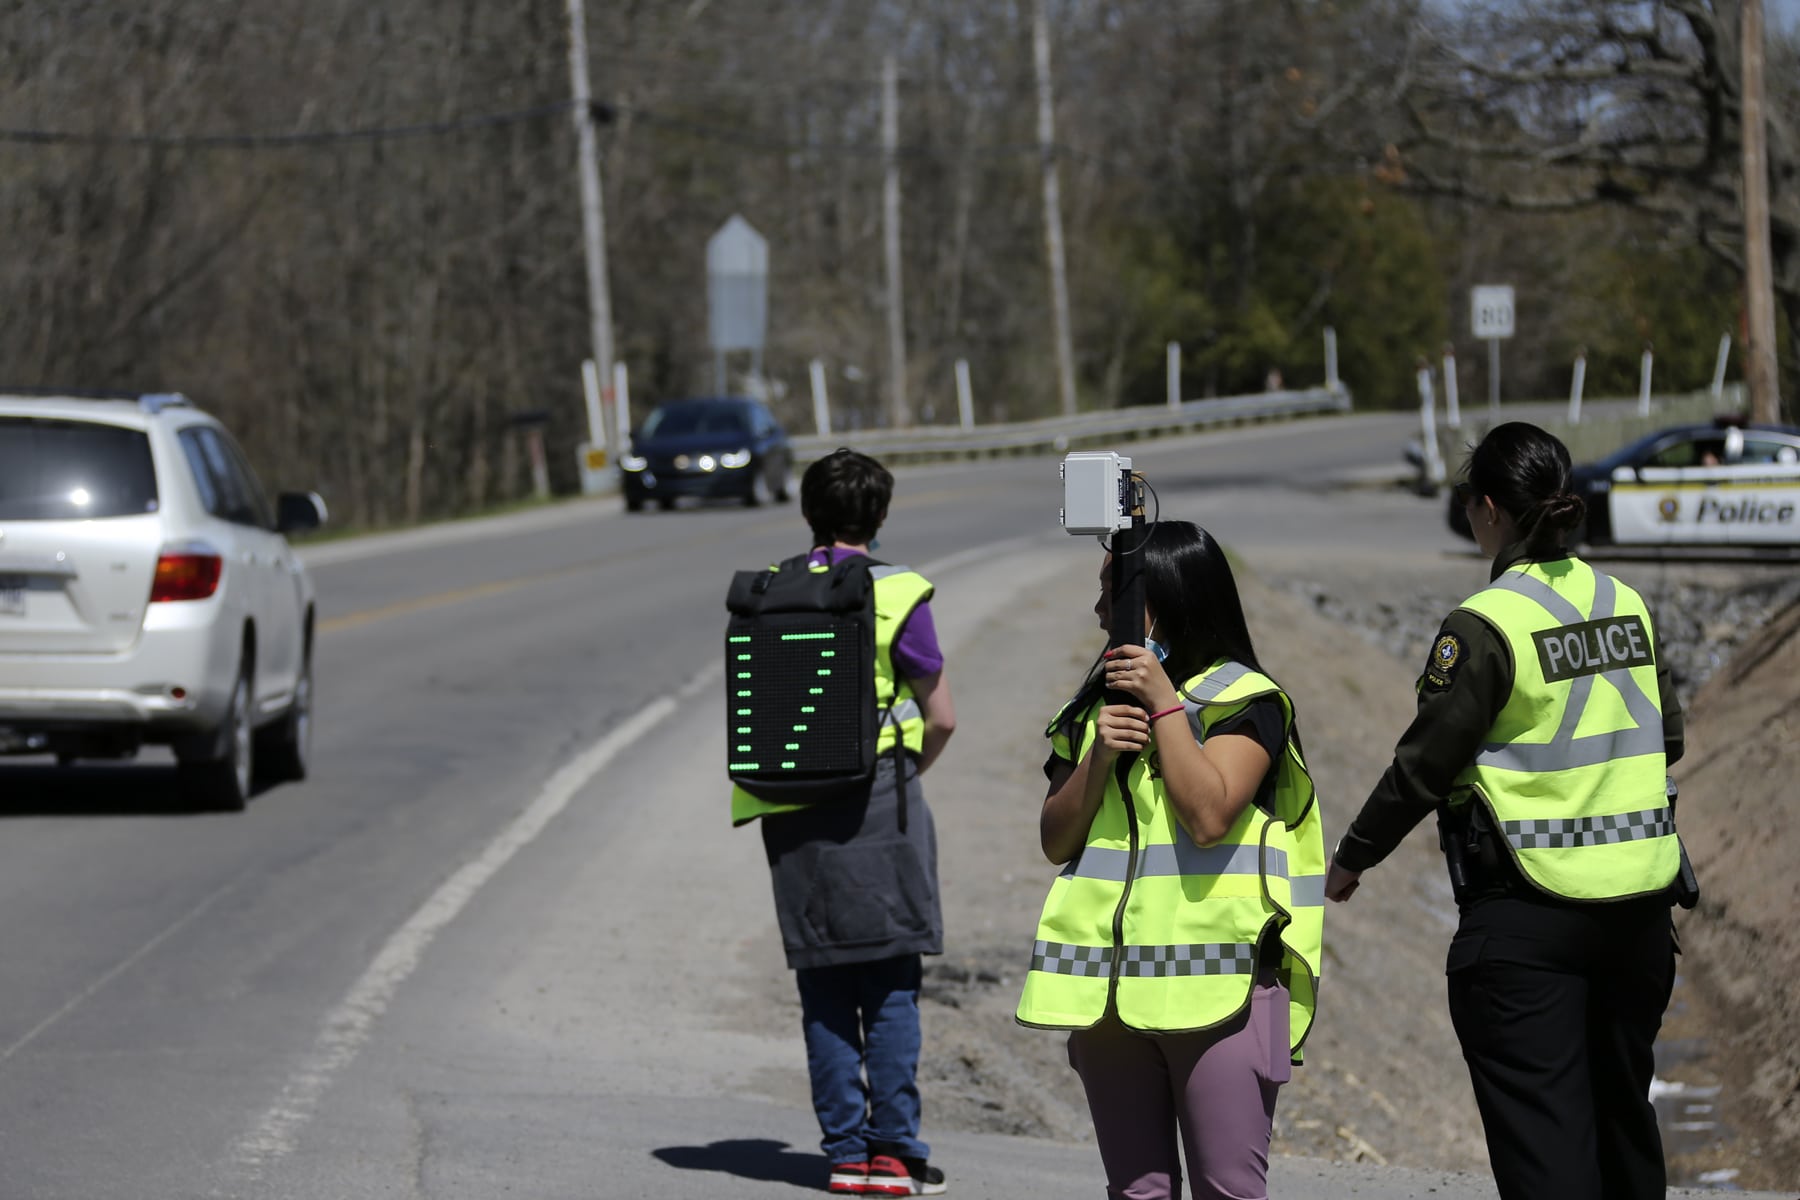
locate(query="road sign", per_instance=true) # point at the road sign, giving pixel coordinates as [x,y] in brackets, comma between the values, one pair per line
[737,278]
[1491,311]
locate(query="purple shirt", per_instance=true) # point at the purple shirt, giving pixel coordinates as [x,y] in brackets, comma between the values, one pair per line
[916,653]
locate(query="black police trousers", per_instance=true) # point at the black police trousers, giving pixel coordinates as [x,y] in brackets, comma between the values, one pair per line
[1557,1007]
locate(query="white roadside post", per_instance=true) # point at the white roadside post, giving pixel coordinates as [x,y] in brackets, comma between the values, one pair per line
[965,397]
[1644,368]
[1452,413]
[591,456]
[1491,319]
[1331,363]
[1174,374]
[622,402]
[1433,460]
[1575,386]
[1718,383]
[821,411]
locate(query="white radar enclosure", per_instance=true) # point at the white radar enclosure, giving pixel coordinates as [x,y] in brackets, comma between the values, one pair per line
[1096,492]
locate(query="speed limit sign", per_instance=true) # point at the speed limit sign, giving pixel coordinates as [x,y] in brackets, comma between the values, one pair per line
[1491,311]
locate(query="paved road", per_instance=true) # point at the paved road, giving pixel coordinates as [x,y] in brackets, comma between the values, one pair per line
[493,947]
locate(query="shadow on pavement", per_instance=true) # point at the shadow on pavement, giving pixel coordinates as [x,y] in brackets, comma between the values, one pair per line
[751,1158]
[100,790]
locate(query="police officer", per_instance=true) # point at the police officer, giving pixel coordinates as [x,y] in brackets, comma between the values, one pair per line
[1545,725]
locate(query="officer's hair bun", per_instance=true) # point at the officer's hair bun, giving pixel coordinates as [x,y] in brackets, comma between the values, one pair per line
[1561,509]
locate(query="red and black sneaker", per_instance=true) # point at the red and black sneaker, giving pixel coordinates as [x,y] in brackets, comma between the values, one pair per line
[849,1178]
[893,1176]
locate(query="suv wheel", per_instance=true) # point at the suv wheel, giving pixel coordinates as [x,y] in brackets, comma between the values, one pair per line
[221,775]
[286,749]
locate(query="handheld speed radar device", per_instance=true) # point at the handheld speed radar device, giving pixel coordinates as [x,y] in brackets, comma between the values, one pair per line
[1103,497]
[1096,492]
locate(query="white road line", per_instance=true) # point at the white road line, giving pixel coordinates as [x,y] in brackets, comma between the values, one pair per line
[349,1026]
[75,1002]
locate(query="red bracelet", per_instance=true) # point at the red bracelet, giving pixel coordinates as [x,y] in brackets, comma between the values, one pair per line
[1157,716]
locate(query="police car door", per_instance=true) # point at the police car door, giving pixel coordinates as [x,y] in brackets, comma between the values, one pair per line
[1758,503]
[1657,502]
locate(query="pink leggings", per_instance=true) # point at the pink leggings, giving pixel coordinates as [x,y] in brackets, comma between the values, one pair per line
[1216,1090]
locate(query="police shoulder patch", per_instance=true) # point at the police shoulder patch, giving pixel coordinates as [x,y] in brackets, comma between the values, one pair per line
[1446,656]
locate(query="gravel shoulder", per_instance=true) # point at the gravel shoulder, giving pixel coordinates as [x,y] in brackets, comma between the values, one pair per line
[1384,1081]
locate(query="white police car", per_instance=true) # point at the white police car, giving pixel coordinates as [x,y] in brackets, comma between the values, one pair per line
[1724,484]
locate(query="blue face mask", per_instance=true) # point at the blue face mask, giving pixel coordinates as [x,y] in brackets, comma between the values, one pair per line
[1157,648]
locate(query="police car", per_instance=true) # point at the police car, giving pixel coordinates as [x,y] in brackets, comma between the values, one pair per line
[1724,484]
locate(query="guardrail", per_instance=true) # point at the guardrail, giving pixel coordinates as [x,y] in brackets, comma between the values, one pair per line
[1057,434]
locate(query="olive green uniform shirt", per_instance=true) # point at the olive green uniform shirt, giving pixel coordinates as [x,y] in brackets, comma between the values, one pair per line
[1458,704]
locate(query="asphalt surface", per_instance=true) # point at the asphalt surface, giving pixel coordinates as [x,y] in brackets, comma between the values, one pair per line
[496,945]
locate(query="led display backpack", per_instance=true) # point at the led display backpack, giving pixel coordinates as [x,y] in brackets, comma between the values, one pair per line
[801,723]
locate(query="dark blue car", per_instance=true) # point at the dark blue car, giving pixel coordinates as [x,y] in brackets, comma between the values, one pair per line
[728,447]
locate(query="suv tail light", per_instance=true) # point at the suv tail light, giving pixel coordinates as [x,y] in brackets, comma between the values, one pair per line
[186,573]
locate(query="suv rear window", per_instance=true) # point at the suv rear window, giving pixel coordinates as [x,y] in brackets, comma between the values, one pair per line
[54,470]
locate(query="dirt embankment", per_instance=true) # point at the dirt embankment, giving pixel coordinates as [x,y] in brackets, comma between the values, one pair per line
[1741,821]
[1384,1080]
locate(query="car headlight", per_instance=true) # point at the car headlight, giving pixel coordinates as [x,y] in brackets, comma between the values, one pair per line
[735,459]
[707,462]
[632,462]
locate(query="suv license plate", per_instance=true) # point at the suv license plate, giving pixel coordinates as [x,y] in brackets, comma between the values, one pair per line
[12,595]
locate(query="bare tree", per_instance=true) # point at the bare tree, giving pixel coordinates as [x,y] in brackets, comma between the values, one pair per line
[1564,106]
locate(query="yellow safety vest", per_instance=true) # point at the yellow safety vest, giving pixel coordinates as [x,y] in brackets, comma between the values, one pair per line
[898,590]
[1572,771]
[1150,925]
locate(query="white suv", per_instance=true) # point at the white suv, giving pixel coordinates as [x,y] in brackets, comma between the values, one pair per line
[147,593]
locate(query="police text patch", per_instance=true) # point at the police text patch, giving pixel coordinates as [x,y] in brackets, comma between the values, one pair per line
[1609,644]
[1446,656]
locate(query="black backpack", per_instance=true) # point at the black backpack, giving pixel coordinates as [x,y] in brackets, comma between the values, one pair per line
[801,723]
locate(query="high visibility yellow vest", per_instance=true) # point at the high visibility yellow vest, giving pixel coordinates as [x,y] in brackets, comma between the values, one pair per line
[1164,932]
[898,590]
[1572,771]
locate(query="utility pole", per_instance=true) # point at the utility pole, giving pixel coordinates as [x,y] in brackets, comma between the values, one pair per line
[1760,370]
[593,216]
[890,212]
[1053,235]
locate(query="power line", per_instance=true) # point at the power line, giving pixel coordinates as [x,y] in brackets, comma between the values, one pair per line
[735,135]
[271,141]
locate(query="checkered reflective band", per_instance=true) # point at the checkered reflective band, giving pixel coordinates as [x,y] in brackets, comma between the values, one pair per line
[1064,959]
[1590,831]
[1206,958]
[1059,958]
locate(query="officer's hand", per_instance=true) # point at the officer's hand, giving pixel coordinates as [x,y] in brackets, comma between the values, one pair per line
[1135,671]
[1123,729]
[1339,883]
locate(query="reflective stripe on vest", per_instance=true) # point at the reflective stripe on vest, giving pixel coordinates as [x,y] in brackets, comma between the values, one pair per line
[898,590]
[1572,772]
[1187,858]
[1190,916]
[1145,962]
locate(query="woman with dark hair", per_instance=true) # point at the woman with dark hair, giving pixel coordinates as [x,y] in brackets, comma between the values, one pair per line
[1545,726]
[1181,943]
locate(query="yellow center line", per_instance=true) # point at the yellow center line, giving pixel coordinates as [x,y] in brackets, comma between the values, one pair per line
[499,587]
[426,603]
